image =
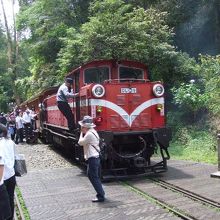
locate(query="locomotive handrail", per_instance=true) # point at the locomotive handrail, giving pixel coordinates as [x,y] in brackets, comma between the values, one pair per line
[126,79]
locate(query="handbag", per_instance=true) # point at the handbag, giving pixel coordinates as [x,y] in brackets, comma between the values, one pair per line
[20,165]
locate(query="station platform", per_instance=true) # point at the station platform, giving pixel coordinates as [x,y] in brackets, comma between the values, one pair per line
[66,194]
[63,191]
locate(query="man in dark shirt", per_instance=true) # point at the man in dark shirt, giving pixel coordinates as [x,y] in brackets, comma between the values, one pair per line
[64,92]
[3,119]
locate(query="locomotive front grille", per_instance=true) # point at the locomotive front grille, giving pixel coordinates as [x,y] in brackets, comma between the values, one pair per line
[142,120]
[117,121]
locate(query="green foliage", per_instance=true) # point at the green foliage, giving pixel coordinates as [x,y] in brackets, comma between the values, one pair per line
[209,70]
[189,97]
[5,88]
[194,145]
[46,22]
[117,31]
[22,203]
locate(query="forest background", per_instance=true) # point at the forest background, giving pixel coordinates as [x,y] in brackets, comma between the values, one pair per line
[178,39]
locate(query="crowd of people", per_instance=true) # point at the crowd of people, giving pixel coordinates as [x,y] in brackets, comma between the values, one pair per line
[20,123]
[14,128]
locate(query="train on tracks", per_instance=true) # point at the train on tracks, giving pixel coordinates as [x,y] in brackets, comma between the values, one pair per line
[128,110]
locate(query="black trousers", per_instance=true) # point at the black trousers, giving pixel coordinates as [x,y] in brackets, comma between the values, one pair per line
[5,210]
[66,110]
[28,130]
[10,186]
[19,135]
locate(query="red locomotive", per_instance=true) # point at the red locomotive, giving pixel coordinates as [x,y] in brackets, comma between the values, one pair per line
[128,110]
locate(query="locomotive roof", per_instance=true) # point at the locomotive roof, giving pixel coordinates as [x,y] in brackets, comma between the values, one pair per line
[110,61]
[44,93]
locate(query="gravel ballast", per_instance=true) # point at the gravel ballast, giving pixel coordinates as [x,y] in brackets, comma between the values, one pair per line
[40,156]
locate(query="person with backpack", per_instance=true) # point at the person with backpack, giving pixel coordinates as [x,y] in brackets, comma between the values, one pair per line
[89,139]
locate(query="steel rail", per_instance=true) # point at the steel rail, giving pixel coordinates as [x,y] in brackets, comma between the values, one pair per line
[187,193]
[172,209]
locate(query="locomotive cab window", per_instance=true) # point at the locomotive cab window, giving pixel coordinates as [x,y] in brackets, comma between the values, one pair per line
[130,73]
[96,75]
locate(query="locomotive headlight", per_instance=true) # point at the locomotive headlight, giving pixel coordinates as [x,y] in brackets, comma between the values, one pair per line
[99,109]
[98,91]
[158,90]
[159,107]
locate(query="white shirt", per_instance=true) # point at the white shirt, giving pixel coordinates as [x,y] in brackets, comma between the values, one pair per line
[19,122]
[8,148]
[63,93]
[27,117]
[87,141]
[2,162]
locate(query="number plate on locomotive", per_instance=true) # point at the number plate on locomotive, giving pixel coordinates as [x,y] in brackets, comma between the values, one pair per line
[128,90]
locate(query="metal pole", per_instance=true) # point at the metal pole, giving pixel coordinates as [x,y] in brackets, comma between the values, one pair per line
[217,174]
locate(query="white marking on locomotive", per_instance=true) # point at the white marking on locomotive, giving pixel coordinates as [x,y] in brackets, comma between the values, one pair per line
[107,104]
[52,108]
[55,108]
[128,118]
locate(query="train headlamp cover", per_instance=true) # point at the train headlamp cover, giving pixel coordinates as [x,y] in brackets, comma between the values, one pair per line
[158,90]
[98,91]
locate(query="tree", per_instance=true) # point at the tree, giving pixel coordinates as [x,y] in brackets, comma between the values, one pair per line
[209,71]
[4,97]
[12,51]
[53,19]
[118,31]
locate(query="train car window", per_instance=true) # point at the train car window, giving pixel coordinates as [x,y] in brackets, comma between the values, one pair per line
[130,73]
[96,75]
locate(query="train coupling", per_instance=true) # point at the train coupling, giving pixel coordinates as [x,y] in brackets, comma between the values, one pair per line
[139,162]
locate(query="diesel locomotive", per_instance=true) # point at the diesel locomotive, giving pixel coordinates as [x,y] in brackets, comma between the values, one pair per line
[128,110]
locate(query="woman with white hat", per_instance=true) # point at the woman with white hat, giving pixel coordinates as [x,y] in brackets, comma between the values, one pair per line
[89,139]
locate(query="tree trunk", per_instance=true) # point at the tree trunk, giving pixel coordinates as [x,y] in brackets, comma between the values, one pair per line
[12,44]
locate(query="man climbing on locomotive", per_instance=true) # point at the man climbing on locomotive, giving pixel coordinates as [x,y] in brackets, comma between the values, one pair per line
[63,94]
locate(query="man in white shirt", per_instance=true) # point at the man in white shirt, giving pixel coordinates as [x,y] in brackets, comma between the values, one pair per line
[27,124]
[63,94]
[89,139]
[19,127]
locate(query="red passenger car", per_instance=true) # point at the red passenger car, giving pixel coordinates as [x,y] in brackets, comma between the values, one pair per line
[128,110]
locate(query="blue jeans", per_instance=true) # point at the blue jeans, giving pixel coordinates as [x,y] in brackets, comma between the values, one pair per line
[93,174]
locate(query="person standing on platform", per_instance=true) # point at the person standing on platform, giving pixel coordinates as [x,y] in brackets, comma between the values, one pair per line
[89,139]
[27,124]
[6,171]
[63,94]
[19,128]
[3,119]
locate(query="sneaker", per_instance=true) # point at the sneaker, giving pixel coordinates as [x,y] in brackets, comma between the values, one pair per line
[98,200]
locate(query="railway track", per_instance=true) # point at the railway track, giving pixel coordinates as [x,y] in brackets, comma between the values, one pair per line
[182,203]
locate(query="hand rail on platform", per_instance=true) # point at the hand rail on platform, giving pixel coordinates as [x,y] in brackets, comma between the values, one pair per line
[217,174]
